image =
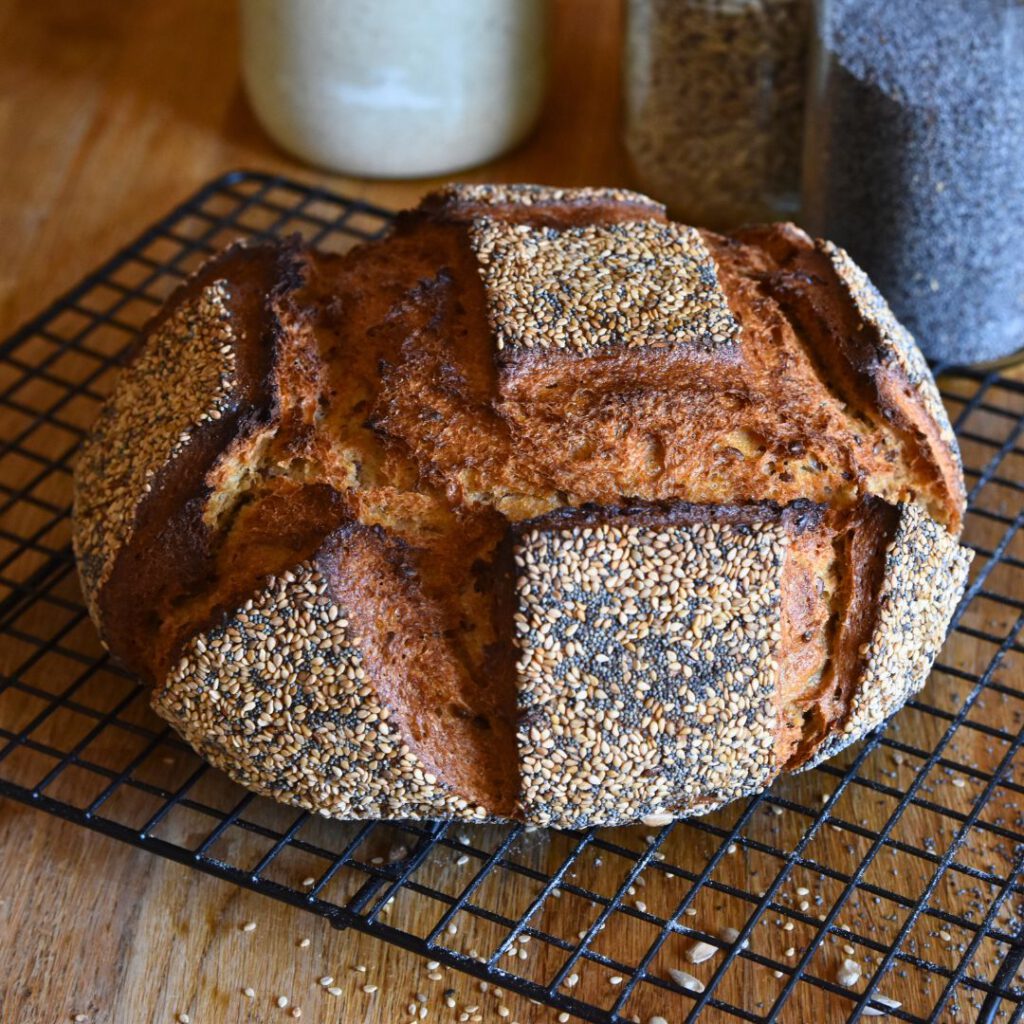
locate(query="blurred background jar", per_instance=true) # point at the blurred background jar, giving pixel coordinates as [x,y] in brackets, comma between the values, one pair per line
[395,88]
[714,105]
[915,162]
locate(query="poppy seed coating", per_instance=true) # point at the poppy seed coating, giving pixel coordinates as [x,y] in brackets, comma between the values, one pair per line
[641,283]
[647,668]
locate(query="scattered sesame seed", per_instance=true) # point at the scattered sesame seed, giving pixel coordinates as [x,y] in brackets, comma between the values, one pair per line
[369,989]
[282,1001]
[890,1004]
[335,990]
[848,974]
[249,926]
[303,943]
[249,993]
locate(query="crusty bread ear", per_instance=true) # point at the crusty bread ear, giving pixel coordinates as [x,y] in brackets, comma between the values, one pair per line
[540,507]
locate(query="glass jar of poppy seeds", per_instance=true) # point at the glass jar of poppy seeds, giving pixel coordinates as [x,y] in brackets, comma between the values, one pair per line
[714,93]
[914,162]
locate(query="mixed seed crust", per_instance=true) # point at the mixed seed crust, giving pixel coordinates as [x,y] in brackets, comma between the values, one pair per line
[542,507]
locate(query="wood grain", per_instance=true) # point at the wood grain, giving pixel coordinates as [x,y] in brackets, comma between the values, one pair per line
[109,113]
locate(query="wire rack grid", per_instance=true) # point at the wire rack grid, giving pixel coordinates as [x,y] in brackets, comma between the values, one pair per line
[903,855]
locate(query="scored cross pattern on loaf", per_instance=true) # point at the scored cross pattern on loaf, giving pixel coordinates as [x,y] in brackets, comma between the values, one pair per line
[541,507]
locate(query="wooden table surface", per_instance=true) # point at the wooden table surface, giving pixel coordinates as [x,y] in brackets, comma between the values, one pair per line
[110,112]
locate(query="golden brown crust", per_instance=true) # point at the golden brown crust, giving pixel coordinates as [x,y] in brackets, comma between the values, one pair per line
[378,446]
[867,356]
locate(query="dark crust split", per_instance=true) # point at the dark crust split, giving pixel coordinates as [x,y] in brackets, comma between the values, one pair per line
[380,558]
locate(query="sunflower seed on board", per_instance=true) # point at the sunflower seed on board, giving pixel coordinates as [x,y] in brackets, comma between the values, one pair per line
[686,980]
[872,1011]
[700,951]
[730,935]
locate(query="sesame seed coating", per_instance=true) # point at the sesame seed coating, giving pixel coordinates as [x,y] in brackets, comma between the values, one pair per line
[278,698]
[924,576]
[530,195]
[569,646]
[898,347]
[641,283]
[182,378]
[648,668]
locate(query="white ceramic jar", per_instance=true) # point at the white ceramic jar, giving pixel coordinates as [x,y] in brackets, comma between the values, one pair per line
[395,88]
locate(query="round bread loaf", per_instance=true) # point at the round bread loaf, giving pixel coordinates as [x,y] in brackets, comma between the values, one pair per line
[541,507]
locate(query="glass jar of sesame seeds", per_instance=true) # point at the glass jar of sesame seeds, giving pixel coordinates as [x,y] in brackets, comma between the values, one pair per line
[714,106]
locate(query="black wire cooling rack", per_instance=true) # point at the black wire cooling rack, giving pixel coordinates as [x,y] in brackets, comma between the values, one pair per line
[904,855]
